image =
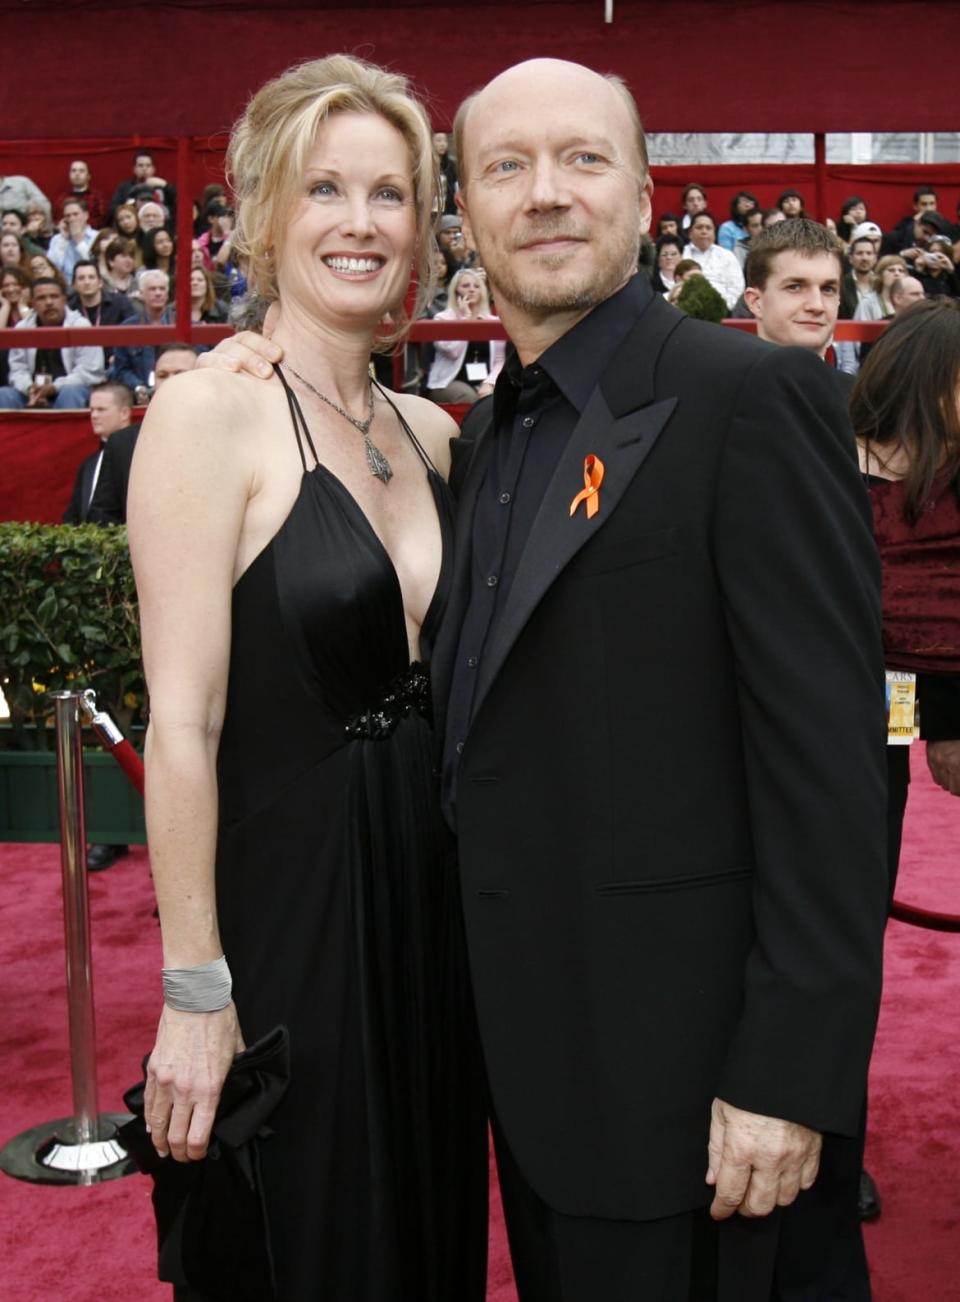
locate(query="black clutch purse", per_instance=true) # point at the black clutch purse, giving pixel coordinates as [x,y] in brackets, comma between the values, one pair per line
[211,1224]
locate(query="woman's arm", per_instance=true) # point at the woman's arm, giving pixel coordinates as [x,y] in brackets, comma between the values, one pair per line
[189,486]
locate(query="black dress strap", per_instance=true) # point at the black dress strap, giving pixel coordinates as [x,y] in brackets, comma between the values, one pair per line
[299,420]
[421,450]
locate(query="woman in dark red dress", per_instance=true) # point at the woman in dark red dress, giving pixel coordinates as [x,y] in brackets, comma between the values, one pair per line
[906,415]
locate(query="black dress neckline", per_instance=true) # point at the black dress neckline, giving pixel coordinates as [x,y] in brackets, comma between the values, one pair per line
[320,471]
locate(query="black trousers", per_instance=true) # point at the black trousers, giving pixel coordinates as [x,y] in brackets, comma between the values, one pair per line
[821,1253]
[821,1256]
[898,788]
[686,1258]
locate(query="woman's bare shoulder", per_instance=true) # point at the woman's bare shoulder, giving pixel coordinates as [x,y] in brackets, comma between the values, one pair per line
[209,404]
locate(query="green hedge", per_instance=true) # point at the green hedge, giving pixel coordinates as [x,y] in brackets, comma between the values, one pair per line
[698,298]
[68,620]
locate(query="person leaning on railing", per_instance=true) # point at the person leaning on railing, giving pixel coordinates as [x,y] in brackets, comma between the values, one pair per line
[14,308]
[52,377]
[875,306]
[465,370]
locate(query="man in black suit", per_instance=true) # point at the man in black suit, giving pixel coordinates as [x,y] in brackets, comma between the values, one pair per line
[660,669]
[110,406]
[109,504]
[660,685]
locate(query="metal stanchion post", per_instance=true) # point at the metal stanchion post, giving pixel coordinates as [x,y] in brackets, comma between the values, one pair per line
[80,1149]
[76,917]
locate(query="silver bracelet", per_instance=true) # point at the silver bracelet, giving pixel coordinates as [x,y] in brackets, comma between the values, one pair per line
[203,989]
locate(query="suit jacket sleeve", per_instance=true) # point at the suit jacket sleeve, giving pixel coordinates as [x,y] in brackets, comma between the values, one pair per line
[800,578]
[74,512]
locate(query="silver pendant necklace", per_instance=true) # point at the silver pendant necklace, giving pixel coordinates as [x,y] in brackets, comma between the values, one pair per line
[377,463]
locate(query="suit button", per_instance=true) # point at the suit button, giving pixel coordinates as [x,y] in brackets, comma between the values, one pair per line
[459,748]
[472,662]
[504,499]
[491,580]
[528,422]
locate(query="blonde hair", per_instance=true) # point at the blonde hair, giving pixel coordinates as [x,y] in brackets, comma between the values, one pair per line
[885,263]
[455,285]
[620,87]
[268,151]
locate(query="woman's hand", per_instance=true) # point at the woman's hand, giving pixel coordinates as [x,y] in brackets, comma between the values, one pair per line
[185,1075]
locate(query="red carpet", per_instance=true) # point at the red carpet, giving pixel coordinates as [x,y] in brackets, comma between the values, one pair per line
[96,1245]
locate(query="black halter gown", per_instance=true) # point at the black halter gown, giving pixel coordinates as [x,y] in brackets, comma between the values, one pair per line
[340,918]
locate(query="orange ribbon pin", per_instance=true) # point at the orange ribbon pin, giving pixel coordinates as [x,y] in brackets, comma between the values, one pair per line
[590,493]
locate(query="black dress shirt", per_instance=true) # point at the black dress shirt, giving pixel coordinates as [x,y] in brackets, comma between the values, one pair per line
[535,410]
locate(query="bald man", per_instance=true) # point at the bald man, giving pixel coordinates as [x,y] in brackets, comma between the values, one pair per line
[904,292]
[660,688]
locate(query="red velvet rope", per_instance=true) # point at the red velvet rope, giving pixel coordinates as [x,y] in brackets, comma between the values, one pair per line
[129,761]
[926,918]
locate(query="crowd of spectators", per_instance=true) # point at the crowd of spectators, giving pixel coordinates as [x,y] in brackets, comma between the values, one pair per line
[89,260]
[114,261]
[699,262]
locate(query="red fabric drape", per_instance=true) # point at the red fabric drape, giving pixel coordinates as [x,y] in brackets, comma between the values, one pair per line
[40,453]
[739,65]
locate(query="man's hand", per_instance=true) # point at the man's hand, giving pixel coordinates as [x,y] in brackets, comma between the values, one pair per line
[757,1163]
[943,761]
[246,351]
[41,395]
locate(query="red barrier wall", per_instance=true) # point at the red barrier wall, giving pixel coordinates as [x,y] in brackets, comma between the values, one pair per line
[40,453]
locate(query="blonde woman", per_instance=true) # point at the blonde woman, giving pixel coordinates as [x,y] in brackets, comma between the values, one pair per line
[462,370]
[875,306]
[291,546]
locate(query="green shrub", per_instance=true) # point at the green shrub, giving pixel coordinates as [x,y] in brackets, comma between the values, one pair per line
[68,620]
[698,298]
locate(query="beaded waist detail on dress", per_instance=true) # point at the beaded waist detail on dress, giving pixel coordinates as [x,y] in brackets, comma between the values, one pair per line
[408,693]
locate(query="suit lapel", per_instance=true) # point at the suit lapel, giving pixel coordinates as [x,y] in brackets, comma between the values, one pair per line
[620,424]
[87,484]
[622,444]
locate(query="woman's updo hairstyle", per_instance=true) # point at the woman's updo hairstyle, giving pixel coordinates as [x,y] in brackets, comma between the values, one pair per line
[271,143]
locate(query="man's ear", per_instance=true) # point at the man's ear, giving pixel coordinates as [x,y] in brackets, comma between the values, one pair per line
[646,204]
[465,219]
[753,298]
